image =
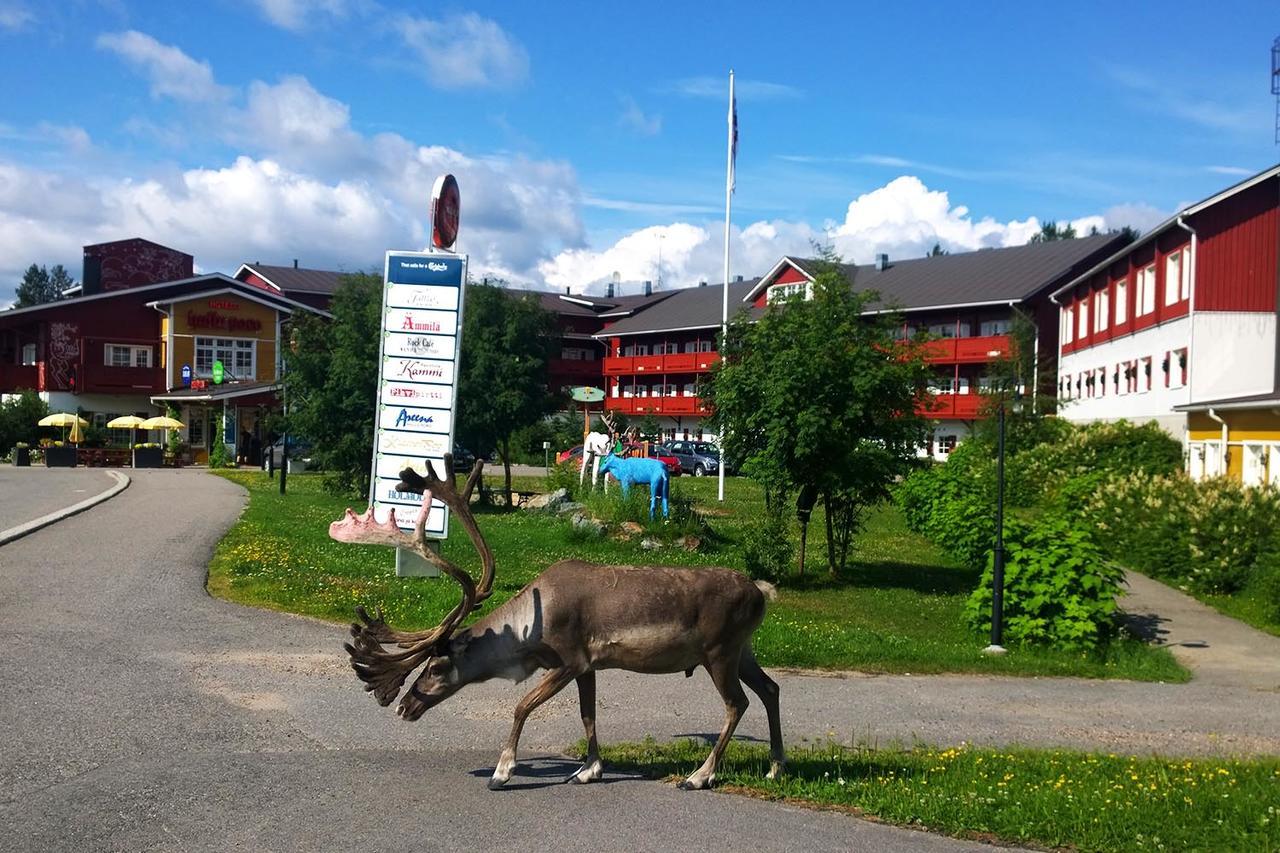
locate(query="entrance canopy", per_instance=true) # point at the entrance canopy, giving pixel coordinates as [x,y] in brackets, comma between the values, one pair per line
[244,393]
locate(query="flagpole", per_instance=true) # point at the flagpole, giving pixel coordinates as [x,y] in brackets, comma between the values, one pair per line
[729,180]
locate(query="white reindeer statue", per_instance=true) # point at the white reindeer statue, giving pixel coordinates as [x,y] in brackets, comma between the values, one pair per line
[595,448]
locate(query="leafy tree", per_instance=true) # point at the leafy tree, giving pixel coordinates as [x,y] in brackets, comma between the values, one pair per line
[507,340]
[332,381]
[18,417]
[649,428]
[937,251]
[1051,231]
[39,286]
[818,395]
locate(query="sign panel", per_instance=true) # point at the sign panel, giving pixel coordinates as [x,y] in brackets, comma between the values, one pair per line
[417,380]
[186,375]
[586,394]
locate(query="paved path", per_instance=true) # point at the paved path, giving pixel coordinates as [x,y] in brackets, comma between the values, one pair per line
[1218,649]
[140,714]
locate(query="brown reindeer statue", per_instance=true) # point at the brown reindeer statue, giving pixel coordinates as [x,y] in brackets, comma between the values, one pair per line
[574,619]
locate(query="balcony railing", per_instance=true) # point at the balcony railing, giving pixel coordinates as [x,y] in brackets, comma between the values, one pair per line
[684,362]
[102,377]
[966,350]
[573,367]
[16,376]
[962,406]
[658,405]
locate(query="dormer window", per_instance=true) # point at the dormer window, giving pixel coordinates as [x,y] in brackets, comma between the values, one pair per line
[782,292]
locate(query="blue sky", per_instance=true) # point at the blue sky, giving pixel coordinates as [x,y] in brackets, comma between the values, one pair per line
[589,137]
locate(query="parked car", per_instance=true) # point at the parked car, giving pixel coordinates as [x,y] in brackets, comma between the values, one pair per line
[299,450]
[574,453]
[698,457]
[463,459]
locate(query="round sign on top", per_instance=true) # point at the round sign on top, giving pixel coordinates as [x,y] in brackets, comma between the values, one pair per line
[446,207]
[586,394]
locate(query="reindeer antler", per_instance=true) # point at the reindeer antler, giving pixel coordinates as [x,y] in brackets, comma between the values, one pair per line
[383,672]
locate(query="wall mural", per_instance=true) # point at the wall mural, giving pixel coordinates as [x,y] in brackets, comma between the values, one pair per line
[64,351]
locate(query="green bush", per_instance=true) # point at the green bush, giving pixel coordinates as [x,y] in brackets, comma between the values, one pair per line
[613,509]
[219,457]
[767,550]
[18,417]
[564,475]
[1059,590]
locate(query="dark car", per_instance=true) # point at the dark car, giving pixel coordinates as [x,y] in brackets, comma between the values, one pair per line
[697,457]
[463,459]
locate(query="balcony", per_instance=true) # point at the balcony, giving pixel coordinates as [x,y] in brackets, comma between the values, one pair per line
[104,378]
[958,406]
[18,376]
[966,350]
[657,405]
[684,362]
[574,367]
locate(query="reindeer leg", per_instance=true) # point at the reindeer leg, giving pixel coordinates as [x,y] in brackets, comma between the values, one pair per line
[552,683]
[592,768]
[724,672]
[767,689]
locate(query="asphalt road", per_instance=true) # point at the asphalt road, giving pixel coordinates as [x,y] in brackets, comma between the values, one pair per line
[29,493]
[140,714]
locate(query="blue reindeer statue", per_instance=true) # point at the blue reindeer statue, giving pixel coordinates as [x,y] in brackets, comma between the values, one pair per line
[651,471]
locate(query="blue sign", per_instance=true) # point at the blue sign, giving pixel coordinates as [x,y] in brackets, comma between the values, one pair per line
[186,374]
[423,269]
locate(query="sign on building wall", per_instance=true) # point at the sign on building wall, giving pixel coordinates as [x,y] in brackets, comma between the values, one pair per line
[417,380]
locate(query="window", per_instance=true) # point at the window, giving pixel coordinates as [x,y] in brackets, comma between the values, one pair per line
[124,355]
[636,349]
[943,330]
[1102,381]
[993,327]
[238,357]
[1144,378]
[28,355]
[1178,368]
[946,444]
[697,346]
[577,354]
[690,389]
[195,428]
[1172,276]
[780,292]
[666,349]
[1122,300]
[1067,325]
[1146,302]
[1082,316]
[1184,281]
[1100,311]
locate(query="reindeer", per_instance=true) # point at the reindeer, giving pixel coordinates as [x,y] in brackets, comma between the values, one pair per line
[574,619]
[630,471]
[595,447]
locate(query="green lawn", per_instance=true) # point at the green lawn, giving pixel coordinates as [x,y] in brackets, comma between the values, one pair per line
[898,610]
[1049,798]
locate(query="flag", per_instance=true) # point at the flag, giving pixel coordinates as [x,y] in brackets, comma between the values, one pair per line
[733,138]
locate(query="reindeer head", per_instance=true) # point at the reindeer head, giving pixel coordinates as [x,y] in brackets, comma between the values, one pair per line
[610,464]
[384,672]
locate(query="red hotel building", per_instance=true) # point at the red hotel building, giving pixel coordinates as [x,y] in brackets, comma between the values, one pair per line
[657,357]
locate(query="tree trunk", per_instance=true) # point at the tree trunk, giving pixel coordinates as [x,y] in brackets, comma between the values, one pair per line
[804,533]
[506,467]
[831,542]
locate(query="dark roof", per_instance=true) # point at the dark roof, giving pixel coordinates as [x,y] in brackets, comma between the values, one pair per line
[987,276]
[298,279]
[571,304]
[687,308]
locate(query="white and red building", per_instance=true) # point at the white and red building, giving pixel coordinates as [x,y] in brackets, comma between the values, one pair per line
[1180,327]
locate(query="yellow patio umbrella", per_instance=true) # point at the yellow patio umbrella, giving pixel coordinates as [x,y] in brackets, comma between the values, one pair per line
[77,434]
[161,422]
[126,422]
[64,420]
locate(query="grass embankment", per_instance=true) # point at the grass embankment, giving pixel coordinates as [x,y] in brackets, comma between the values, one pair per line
[898,609]
[1049,798]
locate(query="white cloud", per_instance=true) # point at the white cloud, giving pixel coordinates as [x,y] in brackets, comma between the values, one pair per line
[465,51]
[1144,217]
[297,15]
[172,73]
[748,90]
[1234,171]
[14,16]
[634,118]
[291,117]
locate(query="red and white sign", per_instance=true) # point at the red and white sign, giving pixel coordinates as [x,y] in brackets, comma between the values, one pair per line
[446,206]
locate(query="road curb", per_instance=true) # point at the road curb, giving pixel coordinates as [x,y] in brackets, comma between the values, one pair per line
[122,483]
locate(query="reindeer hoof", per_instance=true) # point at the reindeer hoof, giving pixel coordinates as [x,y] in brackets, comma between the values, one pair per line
[696,783]
[588,772]
[496,782]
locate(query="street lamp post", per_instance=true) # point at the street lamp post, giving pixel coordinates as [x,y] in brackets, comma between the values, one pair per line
[997,557]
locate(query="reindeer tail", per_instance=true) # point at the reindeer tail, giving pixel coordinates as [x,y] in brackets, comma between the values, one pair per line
[770,591]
